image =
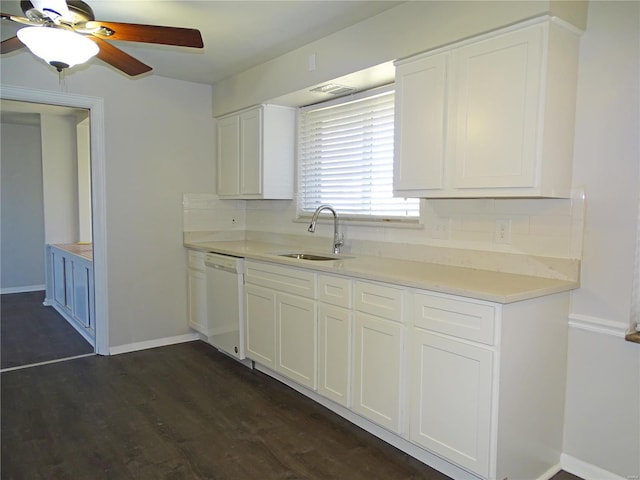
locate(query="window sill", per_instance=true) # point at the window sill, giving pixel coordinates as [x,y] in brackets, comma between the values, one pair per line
[633,337]
[409,225]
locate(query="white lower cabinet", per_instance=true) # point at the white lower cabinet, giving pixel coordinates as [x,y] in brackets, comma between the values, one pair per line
[281,327]
[378,379]
[197,292]
[334,353]
[486,382]
[260,326]
[59,277]
[296,341]
[377,375]
[70,289]
[450,398]
[476,383]
[335,327]
[451,355]
[82,281]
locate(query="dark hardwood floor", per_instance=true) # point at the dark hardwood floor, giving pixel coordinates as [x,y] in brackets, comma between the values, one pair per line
[180,412]
[31,332]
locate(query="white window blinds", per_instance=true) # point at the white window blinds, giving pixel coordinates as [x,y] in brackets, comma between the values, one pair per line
[345,154]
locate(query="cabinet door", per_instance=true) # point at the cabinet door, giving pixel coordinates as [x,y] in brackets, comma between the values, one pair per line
[229,155]
[68,283]
[197,292]
[59,289]
[81,298]
[334,353]
[450,399]
[251,152]
[260,326]
[420,107]
[377,370]
[497,95]
[297,339]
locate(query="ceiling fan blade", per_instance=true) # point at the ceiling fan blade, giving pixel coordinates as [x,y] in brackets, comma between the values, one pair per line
[10,45]
[133,32]
[13,18]
[119,59]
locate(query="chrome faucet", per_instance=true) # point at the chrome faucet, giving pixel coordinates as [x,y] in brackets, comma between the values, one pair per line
[338,239]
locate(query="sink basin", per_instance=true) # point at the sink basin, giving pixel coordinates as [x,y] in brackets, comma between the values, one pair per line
[311,256]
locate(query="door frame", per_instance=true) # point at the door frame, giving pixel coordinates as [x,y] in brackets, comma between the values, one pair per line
[95,105]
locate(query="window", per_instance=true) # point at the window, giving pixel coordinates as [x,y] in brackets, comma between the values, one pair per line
[345,158]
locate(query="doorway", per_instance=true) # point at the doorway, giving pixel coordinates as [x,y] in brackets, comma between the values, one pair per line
[46,200]
[94,107]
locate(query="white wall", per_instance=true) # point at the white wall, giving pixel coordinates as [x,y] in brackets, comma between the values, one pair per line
[83,151]
[606,156]
[158,135]
[22,214]
[602,425]
[59,178]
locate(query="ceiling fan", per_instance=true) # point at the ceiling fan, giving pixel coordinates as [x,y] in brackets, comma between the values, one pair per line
[72,27]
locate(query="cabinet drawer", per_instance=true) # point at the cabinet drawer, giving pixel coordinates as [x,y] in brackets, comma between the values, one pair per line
[334,290]
[284,279]
[381,300]
[460,318]
[196,260]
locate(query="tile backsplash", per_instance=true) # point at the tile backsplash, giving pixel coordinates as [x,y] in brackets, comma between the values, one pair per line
[204,212]
[495,230]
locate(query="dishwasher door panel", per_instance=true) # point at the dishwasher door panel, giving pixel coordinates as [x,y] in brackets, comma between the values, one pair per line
[225,310]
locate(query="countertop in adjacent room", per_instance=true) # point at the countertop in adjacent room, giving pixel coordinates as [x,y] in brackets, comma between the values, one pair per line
[84,250]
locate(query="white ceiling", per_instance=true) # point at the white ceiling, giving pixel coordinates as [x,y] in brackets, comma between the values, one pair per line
[237,34]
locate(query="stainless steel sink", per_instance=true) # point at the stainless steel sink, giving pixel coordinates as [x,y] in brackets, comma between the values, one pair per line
[311,256]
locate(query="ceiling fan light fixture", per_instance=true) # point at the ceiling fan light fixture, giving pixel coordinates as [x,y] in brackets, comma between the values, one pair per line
[58,47]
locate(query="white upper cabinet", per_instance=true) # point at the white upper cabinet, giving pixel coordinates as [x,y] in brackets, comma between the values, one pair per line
[420,123]
[229,156]
[489,117]
[255,153]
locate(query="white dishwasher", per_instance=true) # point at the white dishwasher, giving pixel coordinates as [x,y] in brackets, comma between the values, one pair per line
[225,301]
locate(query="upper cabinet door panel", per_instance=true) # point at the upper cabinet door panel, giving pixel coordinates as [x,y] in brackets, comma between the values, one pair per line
[420,123]
[251,134]
[228,149]
[497,101]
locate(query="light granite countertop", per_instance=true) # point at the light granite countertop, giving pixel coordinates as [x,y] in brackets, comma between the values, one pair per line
[486,285]
[84,250]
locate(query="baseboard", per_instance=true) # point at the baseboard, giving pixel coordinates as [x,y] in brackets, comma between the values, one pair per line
[550,473]
[158,342]
[25,289]
[586,470]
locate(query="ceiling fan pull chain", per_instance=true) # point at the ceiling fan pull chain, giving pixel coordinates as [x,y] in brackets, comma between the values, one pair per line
[62,80]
